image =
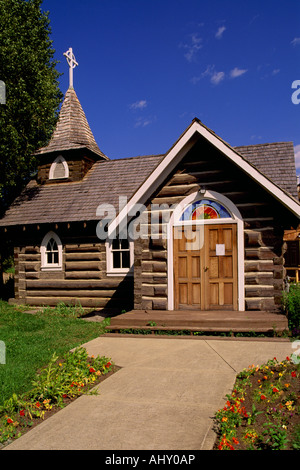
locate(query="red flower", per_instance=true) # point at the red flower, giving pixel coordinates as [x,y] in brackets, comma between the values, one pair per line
[9,421]
[294,374]
[22,412]
[287,358]
[275,390]
[108,365]
[37,404]
[263,397]
[92,370]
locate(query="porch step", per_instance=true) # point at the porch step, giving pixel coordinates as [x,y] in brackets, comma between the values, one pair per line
[260,322]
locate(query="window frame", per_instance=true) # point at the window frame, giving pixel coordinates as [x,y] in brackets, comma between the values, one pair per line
[59,159]
[45,266]
[110,270]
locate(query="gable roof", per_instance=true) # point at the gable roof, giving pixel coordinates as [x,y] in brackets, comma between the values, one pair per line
[72,130]
[137,177]
[180,149]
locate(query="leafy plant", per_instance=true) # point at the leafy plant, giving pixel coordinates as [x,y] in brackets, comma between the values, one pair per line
[296,438]
[58,381]
[291,306]
[276,436]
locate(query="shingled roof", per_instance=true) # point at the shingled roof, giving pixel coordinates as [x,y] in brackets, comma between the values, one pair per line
[78,201]
[276,161]
[72,129]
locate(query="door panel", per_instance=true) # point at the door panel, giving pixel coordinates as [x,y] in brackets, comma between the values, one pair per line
[188,284]
[205,267]
[221,278]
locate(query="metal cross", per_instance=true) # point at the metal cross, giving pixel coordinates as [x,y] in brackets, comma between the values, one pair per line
[72,64]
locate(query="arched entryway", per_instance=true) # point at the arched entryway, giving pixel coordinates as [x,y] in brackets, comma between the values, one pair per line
[206,254]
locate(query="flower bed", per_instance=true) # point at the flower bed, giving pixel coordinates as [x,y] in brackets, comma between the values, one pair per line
[55,386]
[263,411]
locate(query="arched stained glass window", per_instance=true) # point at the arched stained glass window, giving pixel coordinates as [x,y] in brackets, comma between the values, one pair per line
[205,209]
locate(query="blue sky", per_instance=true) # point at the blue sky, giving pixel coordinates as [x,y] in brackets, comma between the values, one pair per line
[148,67]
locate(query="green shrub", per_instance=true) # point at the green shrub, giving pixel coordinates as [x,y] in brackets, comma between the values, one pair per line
[291,306]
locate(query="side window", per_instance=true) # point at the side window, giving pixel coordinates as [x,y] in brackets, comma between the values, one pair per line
[119,254]
[51,252]
[59,169]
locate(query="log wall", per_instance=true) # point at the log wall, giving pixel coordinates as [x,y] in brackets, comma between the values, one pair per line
[264,223]
[83,279]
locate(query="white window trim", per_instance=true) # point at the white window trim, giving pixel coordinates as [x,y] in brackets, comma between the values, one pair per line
[59,159]
[110,270]
[44,263]
[236,218]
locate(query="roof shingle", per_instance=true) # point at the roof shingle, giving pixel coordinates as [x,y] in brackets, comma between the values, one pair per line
[276,161]
[72,129]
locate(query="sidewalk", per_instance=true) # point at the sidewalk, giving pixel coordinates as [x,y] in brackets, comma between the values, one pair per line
[163,398]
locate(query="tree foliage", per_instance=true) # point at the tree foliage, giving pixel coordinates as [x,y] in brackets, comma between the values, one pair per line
[29,71]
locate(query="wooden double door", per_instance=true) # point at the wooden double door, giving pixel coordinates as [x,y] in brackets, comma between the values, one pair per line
[205,267]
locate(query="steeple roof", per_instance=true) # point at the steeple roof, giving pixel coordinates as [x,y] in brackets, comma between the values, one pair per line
[72,129]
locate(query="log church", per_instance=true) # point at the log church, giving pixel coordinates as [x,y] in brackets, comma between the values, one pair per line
[200,227]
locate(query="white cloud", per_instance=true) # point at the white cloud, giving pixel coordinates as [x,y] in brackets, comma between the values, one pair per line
[217,77]
[297,158]
[193,47]
[210,71]
[275,71]
[220,32]
[139,104]
[295,41]
[236,72]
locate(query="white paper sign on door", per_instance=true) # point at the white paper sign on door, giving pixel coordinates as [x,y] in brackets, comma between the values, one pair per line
[220,250]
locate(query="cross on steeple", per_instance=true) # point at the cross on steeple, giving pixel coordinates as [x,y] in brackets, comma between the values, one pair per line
[72,64]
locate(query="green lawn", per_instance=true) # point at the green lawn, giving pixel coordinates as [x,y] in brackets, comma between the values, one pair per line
[31,339]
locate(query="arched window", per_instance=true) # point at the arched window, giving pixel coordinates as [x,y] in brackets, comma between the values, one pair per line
[205,209]
[59,169]
[51,252]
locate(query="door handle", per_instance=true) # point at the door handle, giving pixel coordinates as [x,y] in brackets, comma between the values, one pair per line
[206,269]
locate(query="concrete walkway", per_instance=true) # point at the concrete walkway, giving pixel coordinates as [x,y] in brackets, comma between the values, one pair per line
[163,398]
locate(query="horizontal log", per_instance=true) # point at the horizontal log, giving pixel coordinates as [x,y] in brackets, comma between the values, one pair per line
[258,279]
[84,247]
[253,238]
[194,176]
[177,190]
[259,291]
[84,275]
[25,257]
[52,301]
[91,256]
[98,293]
[108,283]
[259,253]
[30,266]
[264,304]
[82,265]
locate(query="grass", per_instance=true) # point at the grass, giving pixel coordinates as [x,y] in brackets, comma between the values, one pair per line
[32,339]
